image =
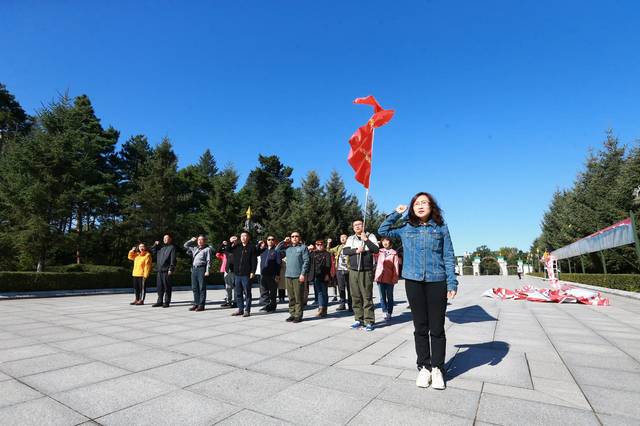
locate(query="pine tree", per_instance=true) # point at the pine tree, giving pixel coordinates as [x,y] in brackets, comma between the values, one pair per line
[311,207]
[223,215]
[14,121]
[151,210]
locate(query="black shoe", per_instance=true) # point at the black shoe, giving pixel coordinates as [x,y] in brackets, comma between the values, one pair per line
[156,305]
[341,307]
[225,305]
[166,305]
[193,308]
[264,309]
[290,319]
[246,314]
[297,320]
[335,299]
[351,310]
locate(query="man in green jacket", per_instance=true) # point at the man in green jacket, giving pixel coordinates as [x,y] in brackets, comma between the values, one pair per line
[297,258]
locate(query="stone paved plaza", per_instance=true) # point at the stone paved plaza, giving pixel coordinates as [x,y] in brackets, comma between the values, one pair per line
[97,360]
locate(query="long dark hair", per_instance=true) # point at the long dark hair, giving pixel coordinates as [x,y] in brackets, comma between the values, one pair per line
[436,211]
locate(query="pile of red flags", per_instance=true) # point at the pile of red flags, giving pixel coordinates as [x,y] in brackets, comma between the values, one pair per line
[567,294]
[362,140]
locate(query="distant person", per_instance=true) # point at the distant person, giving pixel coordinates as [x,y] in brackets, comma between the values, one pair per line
[166,265]
[270,264]
[360,248]
[429,280]
[342,274]
[319,275]
[200,253]
[245,262]
[520,271]
[297,258]
[141,269]
[387,274]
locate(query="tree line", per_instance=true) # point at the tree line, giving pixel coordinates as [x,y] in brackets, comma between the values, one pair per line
[70,194]
[601,195]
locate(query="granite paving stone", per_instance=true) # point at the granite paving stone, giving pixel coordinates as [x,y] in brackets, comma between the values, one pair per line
[13,392]
[184,407]
[38,412]
[105,397]
[241,387]
[72,377]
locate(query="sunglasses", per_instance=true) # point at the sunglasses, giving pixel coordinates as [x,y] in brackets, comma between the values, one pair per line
[295,236]
[269,239]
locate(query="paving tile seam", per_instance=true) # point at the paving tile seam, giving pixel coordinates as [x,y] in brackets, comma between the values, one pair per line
[167,393]
[428,409]
[253,411]
[475,416]
[584,395]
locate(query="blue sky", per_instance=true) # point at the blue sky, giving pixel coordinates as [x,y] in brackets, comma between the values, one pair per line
[497,102]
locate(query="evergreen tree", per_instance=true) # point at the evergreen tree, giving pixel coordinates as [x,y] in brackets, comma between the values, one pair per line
[310,208]
[14,120]
[223,215]
[151,210]
[262,183]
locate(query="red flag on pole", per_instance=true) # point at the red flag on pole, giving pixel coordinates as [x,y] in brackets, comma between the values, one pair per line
[362,140]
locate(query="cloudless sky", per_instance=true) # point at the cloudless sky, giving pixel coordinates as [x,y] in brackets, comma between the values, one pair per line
[497,102]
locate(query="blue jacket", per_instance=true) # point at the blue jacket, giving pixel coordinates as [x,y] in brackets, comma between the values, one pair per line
[428,251]
[269,261]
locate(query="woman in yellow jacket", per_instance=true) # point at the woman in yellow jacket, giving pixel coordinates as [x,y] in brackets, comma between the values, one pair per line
[141,270]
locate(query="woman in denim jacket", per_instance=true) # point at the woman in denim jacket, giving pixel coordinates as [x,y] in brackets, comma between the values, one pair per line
[428,270]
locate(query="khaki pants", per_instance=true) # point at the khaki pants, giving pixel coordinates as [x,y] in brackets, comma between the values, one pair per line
[295,290]
[361,285]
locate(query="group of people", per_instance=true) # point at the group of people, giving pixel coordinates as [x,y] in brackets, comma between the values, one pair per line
[359,261]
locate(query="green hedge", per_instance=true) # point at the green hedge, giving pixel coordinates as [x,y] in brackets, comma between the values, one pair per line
[47,281]
[627,282]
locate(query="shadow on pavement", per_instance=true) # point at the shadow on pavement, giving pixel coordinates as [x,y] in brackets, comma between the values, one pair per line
[476,355]
[469,314]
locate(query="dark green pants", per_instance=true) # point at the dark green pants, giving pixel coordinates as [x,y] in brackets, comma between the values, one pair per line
[361,284]
[295,290]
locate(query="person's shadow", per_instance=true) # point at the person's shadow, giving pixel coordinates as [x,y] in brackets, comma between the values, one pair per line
[469,314]
[476,355]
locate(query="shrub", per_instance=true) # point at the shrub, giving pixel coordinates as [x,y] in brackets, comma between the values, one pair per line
[47,281]
[627,282]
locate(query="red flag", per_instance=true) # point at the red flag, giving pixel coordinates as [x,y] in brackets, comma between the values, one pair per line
[369,100]
[360,154]
[362,140]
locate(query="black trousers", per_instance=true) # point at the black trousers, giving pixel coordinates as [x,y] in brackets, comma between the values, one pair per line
[164,286]
[343,287]
[271,295]
[138,287]
[428,302]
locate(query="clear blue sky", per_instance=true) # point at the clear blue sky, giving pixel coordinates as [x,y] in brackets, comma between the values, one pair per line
[497,102]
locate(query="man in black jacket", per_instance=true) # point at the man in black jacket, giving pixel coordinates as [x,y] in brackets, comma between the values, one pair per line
[269,269]
[360,248]
[166,265]
[245,262]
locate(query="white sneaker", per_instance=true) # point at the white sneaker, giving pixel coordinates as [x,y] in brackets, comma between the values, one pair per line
[437,380]
[424,378]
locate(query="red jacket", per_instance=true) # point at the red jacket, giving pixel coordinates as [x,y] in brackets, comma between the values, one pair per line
[388,267]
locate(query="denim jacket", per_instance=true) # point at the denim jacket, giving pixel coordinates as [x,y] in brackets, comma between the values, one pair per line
[428,251]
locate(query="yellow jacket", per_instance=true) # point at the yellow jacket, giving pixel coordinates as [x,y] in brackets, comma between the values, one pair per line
[141,264]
